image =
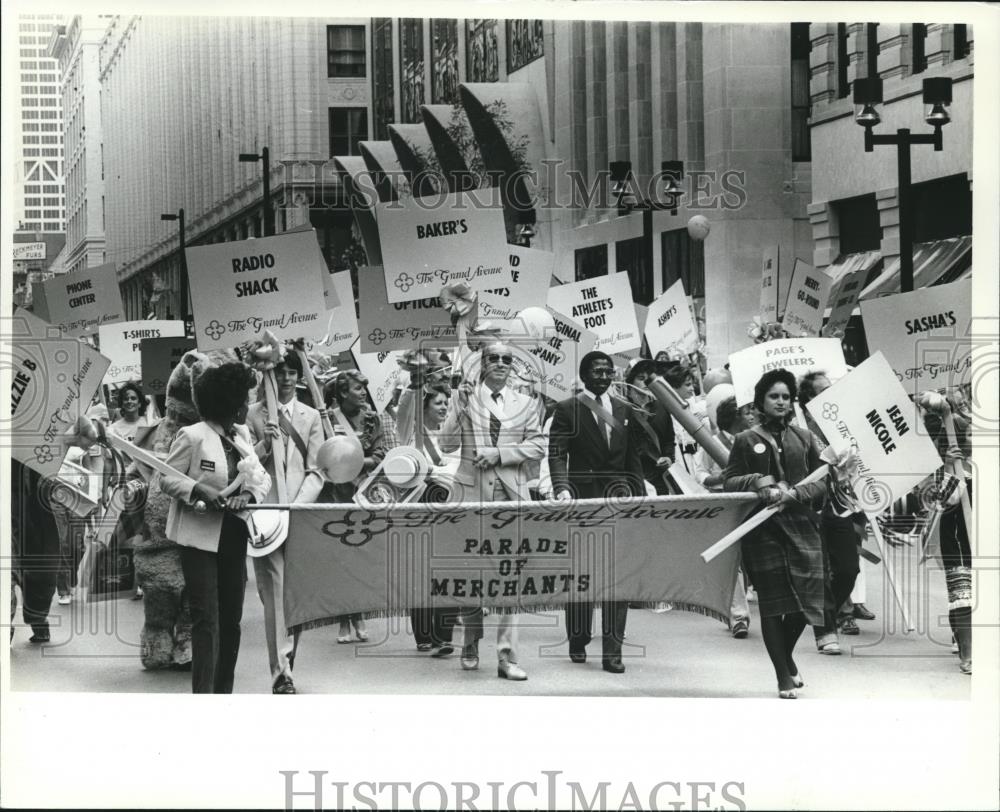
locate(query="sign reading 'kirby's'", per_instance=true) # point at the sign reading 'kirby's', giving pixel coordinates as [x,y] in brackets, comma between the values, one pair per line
[427,242]
[78,303]
[240,289]
[53,378]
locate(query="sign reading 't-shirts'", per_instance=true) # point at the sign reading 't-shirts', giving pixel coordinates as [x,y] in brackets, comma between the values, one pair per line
[240,289]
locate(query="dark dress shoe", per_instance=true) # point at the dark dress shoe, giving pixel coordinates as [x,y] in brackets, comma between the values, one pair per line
[41,634]
[578,656]
[862,612]
[182,666]
[283,685]
[443,650]
[614,666]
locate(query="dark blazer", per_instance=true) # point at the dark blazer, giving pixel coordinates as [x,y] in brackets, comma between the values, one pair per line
[579,457]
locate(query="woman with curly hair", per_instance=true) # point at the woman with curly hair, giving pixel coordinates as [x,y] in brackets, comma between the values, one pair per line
[132,405]
[784,555]
[213,537]
[347,398]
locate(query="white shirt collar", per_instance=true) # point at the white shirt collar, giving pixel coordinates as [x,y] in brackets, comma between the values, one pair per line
[487,394]
[288,408]
[602,400]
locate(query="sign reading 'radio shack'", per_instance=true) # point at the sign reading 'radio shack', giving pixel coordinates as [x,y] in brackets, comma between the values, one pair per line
[240,289]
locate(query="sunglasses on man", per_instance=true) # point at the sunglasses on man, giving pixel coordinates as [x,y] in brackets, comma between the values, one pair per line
[494,358]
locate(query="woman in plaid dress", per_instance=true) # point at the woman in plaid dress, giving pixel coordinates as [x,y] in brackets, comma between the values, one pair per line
[784,555]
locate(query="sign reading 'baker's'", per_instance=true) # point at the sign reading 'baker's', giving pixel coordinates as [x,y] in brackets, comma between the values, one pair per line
[426,244]
[240,289]
[78,303]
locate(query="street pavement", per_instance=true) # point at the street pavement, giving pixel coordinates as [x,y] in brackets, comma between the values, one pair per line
[94,648]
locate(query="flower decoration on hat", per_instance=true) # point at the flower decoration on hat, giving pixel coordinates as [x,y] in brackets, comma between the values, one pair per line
[264,353]
[760,330]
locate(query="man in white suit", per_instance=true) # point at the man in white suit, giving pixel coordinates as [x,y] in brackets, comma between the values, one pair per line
[297,435]
[500,435]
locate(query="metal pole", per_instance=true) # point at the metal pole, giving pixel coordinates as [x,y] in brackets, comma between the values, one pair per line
[647,243]
[905,214]
[185,287]
[268,222]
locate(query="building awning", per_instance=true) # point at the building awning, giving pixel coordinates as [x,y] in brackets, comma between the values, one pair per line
[934,263]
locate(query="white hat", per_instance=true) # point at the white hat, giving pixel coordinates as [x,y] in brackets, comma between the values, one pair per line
[405,466]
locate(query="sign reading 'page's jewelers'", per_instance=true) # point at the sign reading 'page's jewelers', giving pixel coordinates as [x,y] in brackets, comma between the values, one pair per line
[240,289]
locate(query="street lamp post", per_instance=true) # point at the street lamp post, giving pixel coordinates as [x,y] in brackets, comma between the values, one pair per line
[867,97]
[185,290]
[671,172]
[265,157]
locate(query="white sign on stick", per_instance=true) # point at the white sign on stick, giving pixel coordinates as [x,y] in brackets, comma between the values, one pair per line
[926,335]
[53,378]
[769,287]
[120,344]
[530,277]
[382,372]
[807,297]
[868,410]
[604,306]
[342,321]
[669,323]
[423,247]
[240,289]
[554,364]
[400,326]
[798,355]
[80,302]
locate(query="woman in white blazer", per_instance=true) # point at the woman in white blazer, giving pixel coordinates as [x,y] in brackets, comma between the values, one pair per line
[213,542]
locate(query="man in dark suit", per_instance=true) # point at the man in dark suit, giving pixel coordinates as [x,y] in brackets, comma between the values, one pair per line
[593,454]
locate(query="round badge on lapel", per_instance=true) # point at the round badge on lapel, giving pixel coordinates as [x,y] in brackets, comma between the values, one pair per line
[759,448]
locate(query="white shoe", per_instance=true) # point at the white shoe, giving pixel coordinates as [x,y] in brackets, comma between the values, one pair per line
[65,600]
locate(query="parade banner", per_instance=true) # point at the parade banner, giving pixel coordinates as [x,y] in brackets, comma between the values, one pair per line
[158,357]
[121,344]
[80,302]
[530,278]
[669,322]
[869,411]
[807,298]
[604,306]
[769,285]
[460,236]
[798,355]
[385,327]
[342,320]
[382,372]
[554,364]
[536,555]
[240,289]
[53,378]
[926,335]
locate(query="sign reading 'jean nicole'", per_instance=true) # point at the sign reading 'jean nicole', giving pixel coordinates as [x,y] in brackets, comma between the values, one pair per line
[240,289]
[925,335]
[427,242]
[604,306]
[869,411]
[78,303]
[53,378]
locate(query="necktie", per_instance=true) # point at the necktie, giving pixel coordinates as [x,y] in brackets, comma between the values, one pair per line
[495,422]
[604,427]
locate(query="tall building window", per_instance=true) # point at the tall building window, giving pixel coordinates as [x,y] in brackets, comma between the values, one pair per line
[382,103]
[871,48]
[859,224]
[482,51]
[591,262]
[444,74]
[801,147]
[684,259]
[345,51]
[918,36]
[843,85]
[960,41]
[525,43]
[630,256]
[411,69]
[348,126]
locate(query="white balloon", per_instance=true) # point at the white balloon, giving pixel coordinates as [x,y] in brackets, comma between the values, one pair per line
[341,458]
[536,321]
[698,227]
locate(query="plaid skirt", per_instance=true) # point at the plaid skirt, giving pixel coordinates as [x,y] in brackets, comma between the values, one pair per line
[785,565]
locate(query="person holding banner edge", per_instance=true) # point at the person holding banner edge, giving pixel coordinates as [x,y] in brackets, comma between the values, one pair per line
[499,432]
[214,542]
[299,434]
[593,454]
[784,555]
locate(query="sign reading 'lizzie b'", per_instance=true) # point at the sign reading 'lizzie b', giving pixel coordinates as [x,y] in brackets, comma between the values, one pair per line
[240,289]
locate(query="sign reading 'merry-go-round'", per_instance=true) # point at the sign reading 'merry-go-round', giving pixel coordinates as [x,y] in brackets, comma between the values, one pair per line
[240,289]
